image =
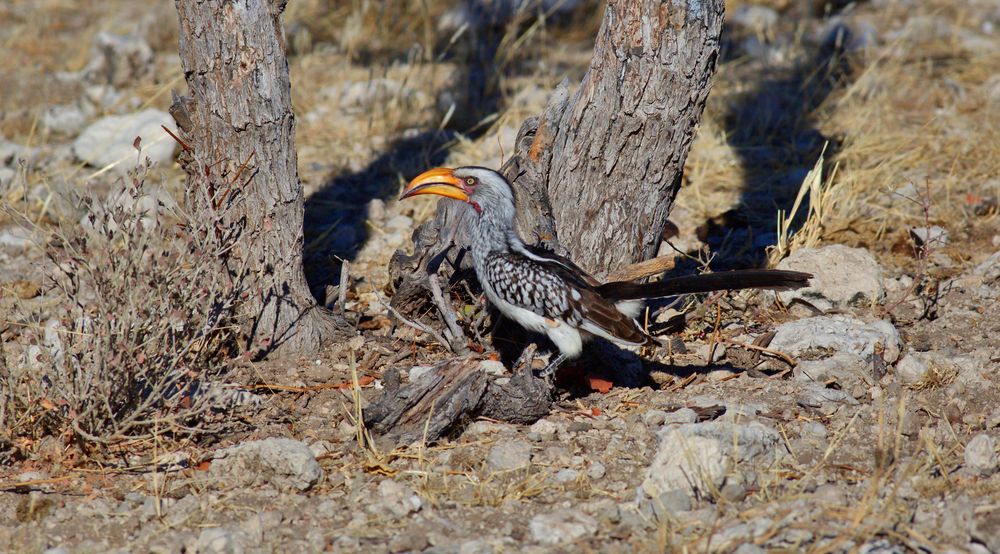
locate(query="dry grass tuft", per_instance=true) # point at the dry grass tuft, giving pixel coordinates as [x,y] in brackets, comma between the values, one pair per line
[139,327]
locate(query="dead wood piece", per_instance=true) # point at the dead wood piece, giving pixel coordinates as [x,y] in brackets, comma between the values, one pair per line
[524,399]
[435,402]
[452,392]
[643,269]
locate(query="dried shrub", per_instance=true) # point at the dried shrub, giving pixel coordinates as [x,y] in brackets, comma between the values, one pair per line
[142,327]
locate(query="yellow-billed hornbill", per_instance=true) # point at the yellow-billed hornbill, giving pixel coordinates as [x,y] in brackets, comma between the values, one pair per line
[549,294]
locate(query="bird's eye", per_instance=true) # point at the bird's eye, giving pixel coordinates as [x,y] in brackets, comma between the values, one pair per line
[470,180]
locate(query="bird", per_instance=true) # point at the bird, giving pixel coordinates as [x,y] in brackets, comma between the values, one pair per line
[550,294]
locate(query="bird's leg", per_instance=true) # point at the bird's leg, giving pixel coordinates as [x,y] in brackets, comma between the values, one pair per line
[553,366]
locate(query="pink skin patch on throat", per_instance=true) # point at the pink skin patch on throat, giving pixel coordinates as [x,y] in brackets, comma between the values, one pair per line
[475,206]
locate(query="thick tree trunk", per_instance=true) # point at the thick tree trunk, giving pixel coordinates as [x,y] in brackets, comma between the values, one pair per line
[239,134]
[605,166]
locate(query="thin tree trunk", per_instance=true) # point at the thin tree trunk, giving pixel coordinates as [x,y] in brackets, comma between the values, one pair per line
[239,134]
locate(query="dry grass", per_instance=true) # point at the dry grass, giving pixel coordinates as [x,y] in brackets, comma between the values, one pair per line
[141,325]
[919,108]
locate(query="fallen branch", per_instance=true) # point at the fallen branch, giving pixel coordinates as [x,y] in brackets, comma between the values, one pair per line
[415,325]
[459,391]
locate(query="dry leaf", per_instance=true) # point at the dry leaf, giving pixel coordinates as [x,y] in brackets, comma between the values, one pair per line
[602,386]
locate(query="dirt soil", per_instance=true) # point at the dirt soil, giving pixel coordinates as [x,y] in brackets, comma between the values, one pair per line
[895,453]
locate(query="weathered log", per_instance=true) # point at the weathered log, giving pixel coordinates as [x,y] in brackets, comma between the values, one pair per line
[451,393]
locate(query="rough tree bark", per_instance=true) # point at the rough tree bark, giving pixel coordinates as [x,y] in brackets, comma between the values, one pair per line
[606,164]
[595,177]
[238,132]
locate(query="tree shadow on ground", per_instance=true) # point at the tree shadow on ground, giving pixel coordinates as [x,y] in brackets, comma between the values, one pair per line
[773,130]
[336,215]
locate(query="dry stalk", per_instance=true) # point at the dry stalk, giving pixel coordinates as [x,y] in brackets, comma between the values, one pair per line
[821,198]
[144,324]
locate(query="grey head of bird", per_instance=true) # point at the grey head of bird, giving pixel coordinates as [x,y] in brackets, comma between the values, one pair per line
[487,192]
[490,220]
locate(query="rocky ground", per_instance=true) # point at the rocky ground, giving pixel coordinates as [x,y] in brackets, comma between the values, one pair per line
[859,415]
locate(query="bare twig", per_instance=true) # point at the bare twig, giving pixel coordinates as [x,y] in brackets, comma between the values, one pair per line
[788,359]
[410,323]
[345,276]
[459,342]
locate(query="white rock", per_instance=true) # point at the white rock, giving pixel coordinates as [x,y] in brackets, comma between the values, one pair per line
[476,546]
[981,454]
[110,139]
[375,92]
[815,395]
[218,540]
[718,352]
[814,429]
[913,368]
[985,528]
[916,367]
[566,475]
[989,270]
[837,333]
[15,237]
[7,176]
[509,454]
[683,415]
[545,427]
[654,418]
[67,119]
[726,540]
[596,470]
[561,527]
[692,464]
[102,96]
[118,60]
[398,499]
[754,19]
[285,463]
[376,209]
[843,277]
[844,367]
[933,236]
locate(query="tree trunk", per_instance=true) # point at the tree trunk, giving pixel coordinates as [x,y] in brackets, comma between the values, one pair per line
[604,166]
[238,132]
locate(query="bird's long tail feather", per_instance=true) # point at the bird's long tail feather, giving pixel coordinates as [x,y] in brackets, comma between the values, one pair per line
[772,279]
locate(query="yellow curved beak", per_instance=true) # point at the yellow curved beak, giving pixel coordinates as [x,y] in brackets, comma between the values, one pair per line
[440,181]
